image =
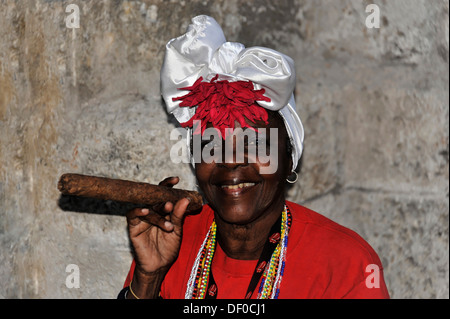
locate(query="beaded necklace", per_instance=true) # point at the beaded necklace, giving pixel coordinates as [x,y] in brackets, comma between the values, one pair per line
[201,284]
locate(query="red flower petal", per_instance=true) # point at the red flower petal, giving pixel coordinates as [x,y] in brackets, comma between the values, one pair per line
[222,103]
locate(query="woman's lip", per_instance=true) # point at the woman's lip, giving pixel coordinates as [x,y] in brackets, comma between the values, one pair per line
[236,186]
[237,189]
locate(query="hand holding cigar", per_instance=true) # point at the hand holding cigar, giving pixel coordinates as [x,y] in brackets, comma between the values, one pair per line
[125,191]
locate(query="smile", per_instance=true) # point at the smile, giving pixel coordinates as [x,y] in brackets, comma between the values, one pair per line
[238,186]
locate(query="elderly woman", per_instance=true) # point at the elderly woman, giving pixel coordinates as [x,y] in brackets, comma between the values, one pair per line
[247,241]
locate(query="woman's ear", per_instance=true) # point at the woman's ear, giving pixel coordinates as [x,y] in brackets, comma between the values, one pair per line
[289,171]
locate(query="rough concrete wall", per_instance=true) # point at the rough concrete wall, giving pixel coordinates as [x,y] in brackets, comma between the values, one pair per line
[374,103]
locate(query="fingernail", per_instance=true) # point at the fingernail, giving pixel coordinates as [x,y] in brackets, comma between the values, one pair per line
[144,210]
[168,224]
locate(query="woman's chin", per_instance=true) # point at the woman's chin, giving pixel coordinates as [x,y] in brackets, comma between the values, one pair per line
[236,214]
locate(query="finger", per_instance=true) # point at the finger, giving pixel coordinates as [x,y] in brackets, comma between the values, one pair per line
[163,208]
[134,216]
[151,219]
[168,207]
[170,181]
[157,220]
[178,213]
[138,215]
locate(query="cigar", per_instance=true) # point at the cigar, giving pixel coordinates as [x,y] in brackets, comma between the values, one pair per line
[125,191]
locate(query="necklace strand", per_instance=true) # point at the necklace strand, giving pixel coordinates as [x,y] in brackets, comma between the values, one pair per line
[272,276]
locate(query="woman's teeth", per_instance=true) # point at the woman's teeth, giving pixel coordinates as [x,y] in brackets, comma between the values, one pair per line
[241,185]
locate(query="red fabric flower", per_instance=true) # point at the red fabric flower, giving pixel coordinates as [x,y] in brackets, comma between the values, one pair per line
[222,103]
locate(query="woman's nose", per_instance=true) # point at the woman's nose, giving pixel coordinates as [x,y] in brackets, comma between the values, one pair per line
[234,153]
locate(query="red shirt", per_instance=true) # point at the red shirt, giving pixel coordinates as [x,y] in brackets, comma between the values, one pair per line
[323,260]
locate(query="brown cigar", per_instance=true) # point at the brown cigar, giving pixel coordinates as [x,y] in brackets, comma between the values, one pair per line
[125,191]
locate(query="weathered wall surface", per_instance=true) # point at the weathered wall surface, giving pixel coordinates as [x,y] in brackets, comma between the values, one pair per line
[374,103]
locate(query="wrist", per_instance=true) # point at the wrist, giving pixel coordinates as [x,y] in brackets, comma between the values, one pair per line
[146,285]
[150,275]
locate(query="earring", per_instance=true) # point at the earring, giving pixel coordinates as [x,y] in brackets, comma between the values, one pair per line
[292,181]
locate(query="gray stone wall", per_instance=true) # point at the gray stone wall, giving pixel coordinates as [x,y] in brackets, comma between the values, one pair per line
[374,103]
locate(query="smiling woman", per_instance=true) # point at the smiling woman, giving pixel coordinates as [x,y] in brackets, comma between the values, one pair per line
[231,187]
[247,241]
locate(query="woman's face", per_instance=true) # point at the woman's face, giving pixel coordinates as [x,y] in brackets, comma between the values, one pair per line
[242,191]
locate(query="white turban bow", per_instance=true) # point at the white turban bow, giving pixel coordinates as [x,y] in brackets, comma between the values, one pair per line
[203,52]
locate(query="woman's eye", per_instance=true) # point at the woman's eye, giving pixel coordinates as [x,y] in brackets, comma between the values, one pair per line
[257,142]
[253,142]
[210,144]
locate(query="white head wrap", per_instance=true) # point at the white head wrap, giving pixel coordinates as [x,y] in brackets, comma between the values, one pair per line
[203,52]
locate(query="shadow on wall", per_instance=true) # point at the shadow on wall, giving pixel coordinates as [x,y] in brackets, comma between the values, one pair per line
[94,206]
